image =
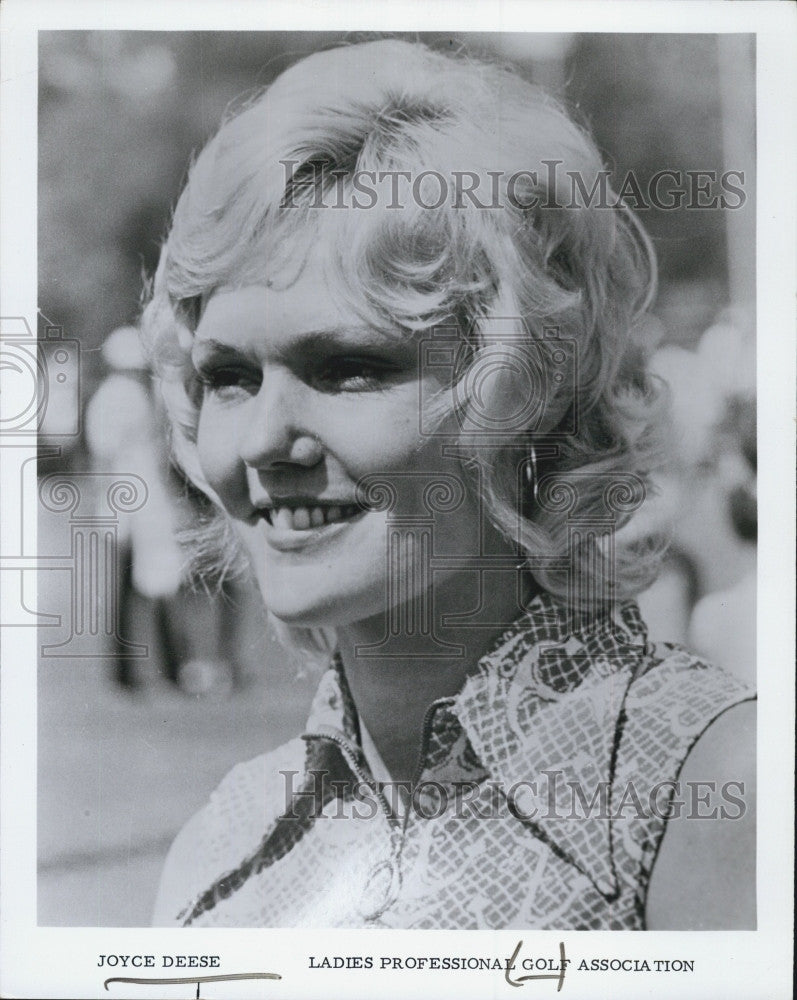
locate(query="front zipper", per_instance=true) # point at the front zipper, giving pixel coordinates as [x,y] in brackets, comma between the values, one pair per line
[398,824]
[351,757]
[426,731]
[393,863]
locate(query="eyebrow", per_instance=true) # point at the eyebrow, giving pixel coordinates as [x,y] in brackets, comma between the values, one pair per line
[318,339]
[214,347]
[336,334]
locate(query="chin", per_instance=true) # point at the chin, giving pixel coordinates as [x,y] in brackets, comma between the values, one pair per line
[308,596]
[325,612]
[298,617]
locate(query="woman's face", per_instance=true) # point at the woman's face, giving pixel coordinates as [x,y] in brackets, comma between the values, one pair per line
[301,400]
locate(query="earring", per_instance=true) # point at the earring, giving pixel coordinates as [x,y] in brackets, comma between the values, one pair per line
[531,471]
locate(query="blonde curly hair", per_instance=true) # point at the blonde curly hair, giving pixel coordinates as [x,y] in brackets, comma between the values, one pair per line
[540,256]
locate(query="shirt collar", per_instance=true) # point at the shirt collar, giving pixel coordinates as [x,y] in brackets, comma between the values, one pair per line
[543,714]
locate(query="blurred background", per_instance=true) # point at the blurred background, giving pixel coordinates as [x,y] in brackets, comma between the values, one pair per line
[137,727]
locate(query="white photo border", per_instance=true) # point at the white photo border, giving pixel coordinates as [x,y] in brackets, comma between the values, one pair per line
[62,962]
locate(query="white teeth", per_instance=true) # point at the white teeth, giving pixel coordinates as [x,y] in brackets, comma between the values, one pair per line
[302,518]
[282,518]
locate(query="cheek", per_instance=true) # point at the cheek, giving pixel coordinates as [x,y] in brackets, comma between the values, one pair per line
[389,433]
[379,437]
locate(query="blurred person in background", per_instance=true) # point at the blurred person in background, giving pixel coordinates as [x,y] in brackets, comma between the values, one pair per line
[187,635]
[723,623]
[286,338]
[705,385]
[123,436]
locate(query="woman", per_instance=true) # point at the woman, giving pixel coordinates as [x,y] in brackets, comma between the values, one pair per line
[403,350]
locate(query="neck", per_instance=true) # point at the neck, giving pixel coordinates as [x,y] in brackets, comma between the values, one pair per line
[392,693]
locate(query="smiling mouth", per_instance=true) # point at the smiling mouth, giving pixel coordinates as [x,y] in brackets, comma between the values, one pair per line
[308,517]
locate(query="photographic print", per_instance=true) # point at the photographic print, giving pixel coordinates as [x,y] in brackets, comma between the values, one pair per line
[386,544]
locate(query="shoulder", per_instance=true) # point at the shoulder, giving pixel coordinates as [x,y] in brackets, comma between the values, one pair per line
[680,694]
[669,706]
[228,827]
[704,875]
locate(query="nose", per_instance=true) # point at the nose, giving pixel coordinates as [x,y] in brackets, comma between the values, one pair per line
[274,434]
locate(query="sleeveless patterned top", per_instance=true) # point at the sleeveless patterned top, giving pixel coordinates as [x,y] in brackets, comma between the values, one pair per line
[541,801]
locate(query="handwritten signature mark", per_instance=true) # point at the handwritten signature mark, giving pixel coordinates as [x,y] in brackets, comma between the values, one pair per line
[520,980]
[159,981]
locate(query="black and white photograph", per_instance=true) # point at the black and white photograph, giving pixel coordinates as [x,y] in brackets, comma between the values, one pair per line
[385,542]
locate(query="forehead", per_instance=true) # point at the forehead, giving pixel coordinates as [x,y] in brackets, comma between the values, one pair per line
[270,293]
[321,268]
[258,312]
[308,314]
[316,273]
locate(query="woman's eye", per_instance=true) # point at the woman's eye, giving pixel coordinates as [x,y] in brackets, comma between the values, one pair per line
[227,382]
[352,374]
